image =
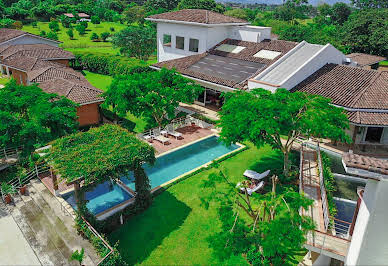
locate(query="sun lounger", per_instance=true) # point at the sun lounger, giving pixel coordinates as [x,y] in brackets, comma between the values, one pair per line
[172,132]
[252,190]
[159,137]
[255,175]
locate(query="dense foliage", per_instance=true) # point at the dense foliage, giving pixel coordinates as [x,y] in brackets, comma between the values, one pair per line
[138,42]
[30,117]
[154,95]
[329,183]
[105,152]
[263,117]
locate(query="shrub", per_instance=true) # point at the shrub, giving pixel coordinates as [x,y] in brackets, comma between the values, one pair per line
[81,29]
[6,23]
[95,20]
[42,33]
[54,26]
[104,36]
[34,24]
[52,35]
[17,25]
[66,22]
[84,24]
[112,29]
[94,37]
[70,34]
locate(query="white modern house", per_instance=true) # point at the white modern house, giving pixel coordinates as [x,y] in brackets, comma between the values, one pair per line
[223,54]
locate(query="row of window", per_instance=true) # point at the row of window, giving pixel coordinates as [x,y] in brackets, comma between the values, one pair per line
[180,43]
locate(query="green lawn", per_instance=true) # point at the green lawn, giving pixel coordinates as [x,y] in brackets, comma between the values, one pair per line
[384,63]
[3,81]
[81,42]
[176,228]
[99,81]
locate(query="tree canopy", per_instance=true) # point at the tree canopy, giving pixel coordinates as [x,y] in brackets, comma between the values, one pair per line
[139,42]
[96,155]
[29,116]
[201,4]
[263,117]
[153,95]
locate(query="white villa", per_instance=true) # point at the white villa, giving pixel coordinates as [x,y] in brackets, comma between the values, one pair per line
[223,53]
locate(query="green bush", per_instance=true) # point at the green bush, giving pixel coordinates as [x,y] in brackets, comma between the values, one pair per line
[94,37]
[70,33]
[54,26]
[105,36]
[81,29]
[95,19]
[52,35]
[108,65]
[6,23]
[125,123]
[112,29]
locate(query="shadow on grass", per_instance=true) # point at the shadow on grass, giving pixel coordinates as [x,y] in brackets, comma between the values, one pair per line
[140,235]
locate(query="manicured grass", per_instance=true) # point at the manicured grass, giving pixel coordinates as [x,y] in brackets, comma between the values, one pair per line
[99,81]
[81,42]
[176,228]
[384,63]
[3,81]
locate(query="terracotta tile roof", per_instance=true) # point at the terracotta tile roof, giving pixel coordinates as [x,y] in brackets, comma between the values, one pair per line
[49,73]
[370,164]
[182,65]
[368,118]
[75,90]
[347,86]
[365,59]
[8,34]
[198,16]
[41,51]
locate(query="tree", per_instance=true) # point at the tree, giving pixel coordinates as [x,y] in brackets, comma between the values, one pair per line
[54,26]
[84,24]
[366,31]
[104,36]
[94,37]
[237,13]
[66,21]
[134,14]
[153,95]
[70,33]
[263,117]
[29,116]
[161,4]
[81,29]
[198,4]
[370,3]
[139,42]
[267,228]
[52,35]
[95,19]
[340,13]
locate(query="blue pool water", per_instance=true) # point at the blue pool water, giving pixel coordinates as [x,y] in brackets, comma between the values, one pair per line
[102,197]
[181,161]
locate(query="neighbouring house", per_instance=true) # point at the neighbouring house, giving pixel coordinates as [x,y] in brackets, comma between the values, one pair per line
[36,60]
[223,54]
[82,16]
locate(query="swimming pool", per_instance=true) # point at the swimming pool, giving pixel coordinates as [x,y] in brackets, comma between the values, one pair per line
[183,160]
[101,198]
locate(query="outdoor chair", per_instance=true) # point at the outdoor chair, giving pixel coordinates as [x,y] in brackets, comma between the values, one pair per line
[172,132]
[159,137]
[252,190]
[255,175]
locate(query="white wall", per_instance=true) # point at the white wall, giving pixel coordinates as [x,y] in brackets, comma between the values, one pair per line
[369,245]
[30,39]
[250,33]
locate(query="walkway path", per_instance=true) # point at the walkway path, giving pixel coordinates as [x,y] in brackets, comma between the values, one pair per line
[48,230]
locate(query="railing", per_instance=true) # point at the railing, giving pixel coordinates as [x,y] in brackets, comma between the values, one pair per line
[21,181]
[328,242]
[325,204]
[10,152]
[340,228]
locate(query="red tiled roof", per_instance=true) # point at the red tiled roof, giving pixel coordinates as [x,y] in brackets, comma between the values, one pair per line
[41,51]
[370,164]
[182,64]
[198,16]
[365,59]
[8,34]
[348,86]
[75,90]
[368,118]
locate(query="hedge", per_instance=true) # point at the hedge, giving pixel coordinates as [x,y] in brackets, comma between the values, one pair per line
[108,65]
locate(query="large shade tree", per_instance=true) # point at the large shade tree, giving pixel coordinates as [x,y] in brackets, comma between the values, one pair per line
[29,116]
[100,154]
[153,95]
[263,117]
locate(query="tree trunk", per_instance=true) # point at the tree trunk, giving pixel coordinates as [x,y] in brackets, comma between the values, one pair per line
[285,164]
[78,195]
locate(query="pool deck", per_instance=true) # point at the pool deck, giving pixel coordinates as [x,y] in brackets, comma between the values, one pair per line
[190,134]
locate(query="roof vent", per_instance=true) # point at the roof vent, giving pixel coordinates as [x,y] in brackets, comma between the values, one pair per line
[267,54]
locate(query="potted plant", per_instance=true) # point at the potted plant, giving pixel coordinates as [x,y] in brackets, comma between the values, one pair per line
[7,190]
[78,256]
[23,188]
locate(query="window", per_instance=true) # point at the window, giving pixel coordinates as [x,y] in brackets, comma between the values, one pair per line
[166,40]
[228,48]
[373,134]
[180,43]
[267,54]
[193,45]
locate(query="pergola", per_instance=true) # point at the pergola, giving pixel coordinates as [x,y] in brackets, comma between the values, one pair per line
[97,155]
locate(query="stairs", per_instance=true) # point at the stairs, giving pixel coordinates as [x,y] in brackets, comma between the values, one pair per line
[47,228]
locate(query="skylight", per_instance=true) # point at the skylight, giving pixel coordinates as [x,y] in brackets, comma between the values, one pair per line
[234,49]
[267,54]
